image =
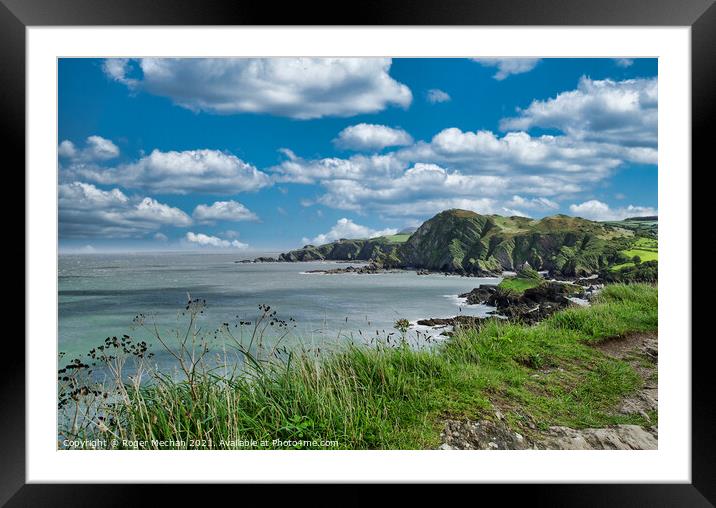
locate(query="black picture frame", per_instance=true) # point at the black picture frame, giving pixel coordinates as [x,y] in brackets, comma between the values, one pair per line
[700,15]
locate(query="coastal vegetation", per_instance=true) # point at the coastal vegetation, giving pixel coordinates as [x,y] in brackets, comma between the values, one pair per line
[382,395]
[647,271]
[526,278]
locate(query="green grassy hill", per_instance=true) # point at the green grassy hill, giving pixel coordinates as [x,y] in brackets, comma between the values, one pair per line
[381,250]
[462,241]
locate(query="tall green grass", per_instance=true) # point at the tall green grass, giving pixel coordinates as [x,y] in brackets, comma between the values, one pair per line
[386,397]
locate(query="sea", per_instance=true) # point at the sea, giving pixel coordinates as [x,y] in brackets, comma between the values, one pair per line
[101,295]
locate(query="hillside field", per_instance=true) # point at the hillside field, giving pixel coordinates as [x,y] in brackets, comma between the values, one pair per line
[646,248]
[399,238]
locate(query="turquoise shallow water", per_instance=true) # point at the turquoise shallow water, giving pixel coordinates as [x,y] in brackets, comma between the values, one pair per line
[100,294]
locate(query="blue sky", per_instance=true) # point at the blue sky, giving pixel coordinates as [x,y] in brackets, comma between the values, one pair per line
[254,155]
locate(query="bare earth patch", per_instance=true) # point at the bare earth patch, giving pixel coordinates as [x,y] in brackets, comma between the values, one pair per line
[634,343]
[642,353]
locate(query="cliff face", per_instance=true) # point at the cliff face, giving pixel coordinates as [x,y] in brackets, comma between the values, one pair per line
[454,240]
[463,241]
[379,250]
[466,242]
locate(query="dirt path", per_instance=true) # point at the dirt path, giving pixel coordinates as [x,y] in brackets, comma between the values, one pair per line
[642,353]
[639,350]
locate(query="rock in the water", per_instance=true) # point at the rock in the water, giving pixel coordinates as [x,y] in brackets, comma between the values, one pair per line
[457,321]
[371,268]
[534,304]
[479,294]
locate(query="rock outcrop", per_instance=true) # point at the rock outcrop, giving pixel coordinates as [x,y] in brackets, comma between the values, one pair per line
[479,294]
[457,321]
[369,269]
[615,437]
[534,304]
[496,435]
[481,435]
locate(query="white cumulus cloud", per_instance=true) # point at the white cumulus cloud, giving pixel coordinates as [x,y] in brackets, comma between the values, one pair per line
[298,170]
[87,211]
[203,240]
[540,203]
[511,212]
[346,228]
[624,62]
[302,88]
[224,210]
[117,70]
[508,66]
[598,210]
[365,136]
[620,112]
[426,208]
[520,152]
[207,171]
[522,172]
[422,182]
[435,95]
[96,149]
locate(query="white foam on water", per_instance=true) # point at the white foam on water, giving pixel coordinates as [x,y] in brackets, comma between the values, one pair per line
[457,300]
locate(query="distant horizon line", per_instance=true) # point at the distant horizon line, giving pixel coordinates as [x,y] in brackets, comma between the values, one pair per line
[95,250]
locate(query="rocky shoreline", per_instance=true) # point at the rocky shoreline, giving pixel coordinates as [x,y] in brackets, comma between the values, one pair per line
[370,268]
[457,321]
[365,269]
[529,307]
[534,304]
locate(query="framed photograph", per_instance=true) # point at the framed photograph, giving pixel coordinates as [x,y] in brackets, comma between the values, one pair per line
[426,246]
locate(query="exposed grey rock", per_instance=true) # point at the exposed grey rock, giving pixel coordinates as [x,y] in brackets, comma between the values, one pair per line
[367,269]
[489,435]
[461,321]
[481,435]
[479,294]
[616,437]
